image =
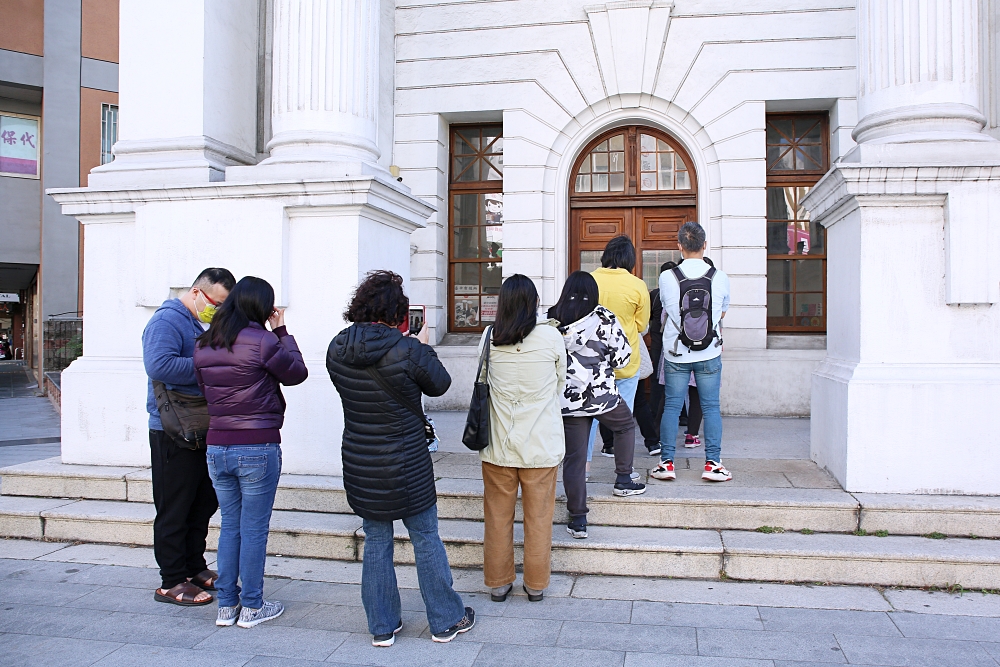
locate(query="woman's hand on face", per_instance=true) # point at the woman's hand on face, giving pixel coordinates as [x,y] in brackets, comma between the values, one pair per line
[277,318]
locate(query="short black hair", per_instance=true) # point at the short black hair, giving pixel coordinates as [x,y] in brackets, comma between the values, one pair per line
[215,276]
[619,254]
[579,298]
[379,298]
[517,310]
[250,300]
[691,236]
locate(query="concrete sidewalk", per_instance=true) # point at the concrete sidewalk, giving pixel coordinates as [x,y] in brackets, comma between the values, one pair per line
[29,425]
[76,606]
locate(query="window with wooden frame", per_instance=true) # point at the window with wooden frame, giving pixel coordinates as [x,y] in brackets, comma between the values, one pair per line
[798,155]
[475,224]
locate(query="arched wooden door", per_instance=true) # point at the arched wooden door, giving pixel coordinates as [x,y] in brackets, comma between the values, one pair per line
[636,181]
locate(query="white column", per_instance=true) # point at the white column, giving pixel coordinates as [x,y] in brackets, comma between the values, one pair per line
[325,93]
[188,93]
[918,71]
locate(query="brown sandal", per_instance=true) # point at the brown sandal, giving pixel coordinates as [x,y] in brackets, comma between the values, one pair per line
[187,592]
[205,580]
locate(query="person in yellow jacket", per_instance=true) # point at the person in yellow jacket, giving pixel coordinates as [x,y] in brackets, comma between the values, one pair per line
[627,297]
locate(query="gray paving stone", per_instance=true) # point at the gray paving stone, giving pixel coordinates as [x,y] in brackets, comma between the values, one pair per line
[545,656]
[663,660]
[696,615]
[870,623]
[276,640]
[815,647]
[47,572]
[622,637]
[907,652]
[132,655]
[968,603]
[571,609]
[992,649]
[929,626]
[323,593]
[294,612]
[130,600]
[177,631]
[272,661]
[409,651]
[105,554]
[116,575]
[26,651]
[523,631]
[352,619]
[40,620]
[32,592]
[27,549]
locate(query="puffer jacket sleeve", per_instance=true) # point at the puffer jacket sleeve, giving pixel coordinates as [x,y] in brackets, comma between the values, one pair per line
[427,370]
[281,357]
[621,351]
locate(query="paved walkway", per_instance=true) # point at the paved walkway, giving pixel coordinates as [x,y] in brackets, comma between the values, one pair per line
[75,606]
[29,425]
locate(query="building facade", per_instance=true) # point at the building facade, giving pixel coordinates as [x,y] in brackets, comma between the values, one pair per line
[58,116]
[461,142]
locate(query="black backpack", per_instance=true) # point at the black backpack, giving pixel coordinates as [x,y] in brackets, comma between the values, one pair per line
[697,331]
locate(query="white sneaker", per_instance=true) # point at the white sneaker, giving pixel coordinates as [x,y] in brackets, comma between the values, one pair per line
[716,472]
[268,612]
[664,470]
[228,615]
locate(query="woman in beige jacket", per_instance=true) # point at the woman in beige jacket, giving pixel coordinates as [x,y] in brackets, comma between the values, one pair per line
[527,371]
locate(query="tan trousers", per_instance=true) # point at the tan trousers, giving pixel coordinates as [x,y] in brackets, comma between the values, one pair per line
[538,498]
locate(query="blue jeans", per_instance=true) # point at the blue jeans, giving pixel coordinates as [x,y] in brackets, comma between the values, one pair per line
[626,389]
[708,376]
[379,592]
[245,479]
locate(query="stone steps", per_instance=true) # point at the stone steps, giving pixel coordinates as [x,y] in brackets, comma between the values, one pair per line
[664,505]
[610,550]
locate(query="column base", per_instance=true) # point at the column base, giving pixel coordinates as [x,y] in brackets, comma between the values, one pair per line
[907,428]
[168,161]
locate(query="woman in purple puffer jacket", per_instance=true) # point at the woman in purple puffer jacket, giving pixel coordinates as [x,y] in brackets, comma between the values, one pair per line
[240,365]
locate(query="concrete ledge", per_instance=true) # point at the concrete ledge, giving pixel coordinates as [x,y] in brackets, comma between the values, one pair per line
[22,517]
[140,486]
[663,552]
[52,478]
[920,515]
[312,493]
[314,535]
[849,559]
[101,521]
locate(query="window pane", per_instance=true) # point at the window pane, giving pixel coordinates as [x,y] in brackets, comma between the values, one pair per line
[590,260]
[491,278]
[779,305]
[618,162]
[462,171]
[647,182]
[777,238]
[647,142]
[809,310]
[817,238]
[777,204]
[617,142]
[779,275]
[600,162]
[661,145]
[798,238]
[583,183]
[683,180]
[466,243]
[809,157]
[809,275]
[779,131]
[466,312]
[603,146]
[467,278]
[466,141]
[647,162]
[679,162]
[617,183]
[496,164]
[651,262]
[466,210]
[776,159]
[585,166]
[600,182]
[666,180]
[491,133]
[811,131]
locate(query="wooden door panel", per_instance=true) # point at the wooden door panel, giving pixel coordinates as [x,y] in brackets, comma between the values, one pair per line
[602,225]
[660,224]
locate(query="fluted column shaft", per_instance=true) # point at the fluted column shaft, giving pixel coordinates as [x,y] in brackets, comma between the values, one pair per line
[918,71]
[324,104]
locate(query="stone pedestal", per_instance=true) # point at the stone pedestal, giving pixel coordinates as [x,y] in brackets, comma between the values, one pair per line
[905,400]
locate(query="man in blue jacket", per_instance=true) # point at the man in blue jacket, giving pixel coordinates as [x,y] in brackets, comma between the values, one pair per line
[182,490]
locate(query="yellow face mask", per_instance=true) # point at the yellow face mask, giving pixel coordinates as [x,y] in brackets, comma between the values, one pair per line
[208,312]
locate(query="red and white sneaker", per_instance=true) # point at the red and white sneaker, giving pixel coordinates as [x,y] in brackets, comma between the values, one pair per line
[663,470]
[691,441]
[716,472]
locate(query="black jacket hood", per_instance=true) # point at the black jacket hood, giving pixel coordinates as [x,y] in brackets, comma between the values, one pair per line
[363,344]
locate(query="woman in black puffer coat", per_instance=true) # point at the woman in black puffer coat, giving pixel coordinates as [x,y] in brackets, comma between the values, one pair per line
[388,472]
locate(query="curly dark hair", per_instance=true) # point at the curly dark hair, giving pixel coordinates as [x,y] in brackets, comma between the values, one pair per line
[379,298]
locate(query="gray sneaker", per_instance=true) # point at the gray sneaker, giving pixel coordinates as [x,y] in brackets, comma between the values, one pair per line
[268,612]
[228,615]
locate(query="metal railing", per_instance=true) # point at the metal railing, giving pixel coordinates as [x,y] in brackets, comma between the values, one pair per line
[63,342]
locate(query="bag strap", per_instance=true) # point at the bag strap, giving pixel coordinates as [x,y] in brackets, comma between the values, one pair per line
[392,391]
[485,356]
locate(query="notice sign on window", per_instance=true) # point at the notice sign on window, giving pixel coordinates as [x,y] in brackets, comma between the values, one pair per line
[19,146]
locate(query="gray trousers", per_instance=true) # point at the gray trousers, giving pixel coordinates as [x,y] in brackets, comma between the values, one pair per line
[577,430]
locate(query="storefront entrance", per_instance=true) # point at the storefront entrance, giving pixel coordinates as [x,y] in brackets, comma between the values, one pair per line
[636,181]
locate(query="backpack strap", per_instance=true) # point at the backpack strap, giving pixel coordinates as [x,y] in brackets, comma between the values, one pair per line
[710,273]
[678,274]
[396,394]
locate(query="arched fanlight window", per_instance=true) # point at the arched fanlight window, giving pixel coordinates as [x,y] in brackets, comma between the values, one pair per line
[632,161]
